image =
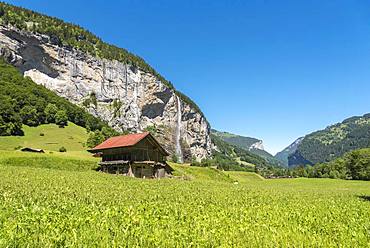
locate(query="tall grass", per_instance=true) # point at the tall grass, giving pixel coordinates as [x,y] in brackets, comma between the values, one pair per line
[41,207]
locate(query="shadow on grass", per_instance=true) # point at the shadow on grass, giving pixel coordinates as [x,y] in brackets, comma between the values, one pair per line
[364,197]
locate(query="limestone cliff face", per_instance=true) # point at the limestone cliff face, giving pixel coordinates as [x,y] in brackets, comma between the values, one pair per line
[258,145]
[126,97]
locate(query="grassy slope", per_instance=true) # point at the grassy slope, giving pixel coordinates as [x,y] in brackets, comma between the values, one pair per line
[333,141]
[71,137]
[243,144]
[59,161]
[76,206]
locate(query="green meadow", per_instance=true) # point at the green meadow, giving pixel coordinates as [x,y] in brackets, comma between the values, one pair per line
[60,200]
[48,137]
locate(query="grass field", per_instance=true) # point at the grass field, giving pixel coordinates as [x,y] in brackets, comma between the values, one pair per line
[58,200]
[71,137]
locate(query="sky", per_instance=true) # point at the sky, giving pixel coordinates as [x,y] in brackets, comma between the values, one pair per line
[274,70]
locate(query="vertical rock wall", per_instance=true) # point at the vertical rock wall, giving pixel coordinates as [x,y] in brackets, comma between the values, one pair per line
[126,97]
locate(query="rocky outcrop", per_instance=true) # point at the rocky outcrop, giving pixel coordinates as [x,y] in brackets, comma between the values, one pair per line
[258,145]
[291,149]
[127,97]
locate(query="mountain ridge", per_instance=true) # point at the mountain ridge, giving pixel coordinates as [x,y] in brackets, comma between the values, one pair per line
[249,144]
[242,141]
[333,141]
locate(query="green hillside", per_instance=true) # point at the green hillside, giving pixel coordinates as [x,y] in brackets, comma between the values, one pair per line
[269,158]
[332,142]
[48,137]
[187,172]
[246,143]
[69,161]
[230,157]
[237,140]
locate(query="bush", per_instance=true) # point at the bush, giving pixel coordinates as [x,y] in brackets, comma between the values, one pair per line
[62,149]
[42,134]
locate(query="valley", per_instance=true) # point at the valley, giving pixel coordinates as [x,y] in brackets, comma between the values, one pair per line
[121,158]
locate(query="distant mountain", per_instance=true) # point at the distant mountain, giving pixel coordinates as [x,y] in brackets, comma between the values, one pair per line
[284,154]
[250,144]
[243,157]
[332,142]
[247,143]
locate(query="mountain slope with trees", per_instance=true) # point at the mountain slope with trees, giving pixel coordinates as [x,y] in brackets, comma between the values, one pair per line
[332,142]
[237,140]
[252,145]
[224,149]
[230,157]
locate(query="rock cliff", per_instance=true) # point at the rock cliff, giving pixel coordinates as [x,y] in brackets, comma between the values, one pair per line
[127,97]
[284,154]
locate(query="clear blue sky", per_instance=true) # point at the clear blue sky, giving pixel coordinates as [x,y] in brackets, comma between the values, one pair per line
[275,70]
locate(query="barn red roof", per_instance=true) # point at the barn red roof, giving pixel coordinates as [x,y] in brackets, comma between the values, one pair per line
[121,141]
[127,141]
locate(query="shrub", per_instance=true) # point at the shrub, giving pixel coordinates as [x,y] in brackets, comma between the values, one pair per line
[42,134]
[62,149]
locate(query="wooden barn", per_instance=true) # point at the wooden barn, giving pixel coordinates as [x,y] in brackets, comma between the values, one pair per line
[136,155]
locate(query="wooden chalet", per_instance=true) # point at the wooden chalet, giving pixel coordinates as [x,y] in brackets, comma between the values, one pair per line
[136,155]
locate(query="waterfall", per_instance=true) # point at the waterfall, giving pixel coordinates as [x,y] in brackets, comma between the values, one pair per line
[178,131]
[136,103]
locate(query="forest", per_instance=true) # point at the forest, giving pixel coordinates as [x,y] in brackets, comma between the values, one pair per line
[354,165]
